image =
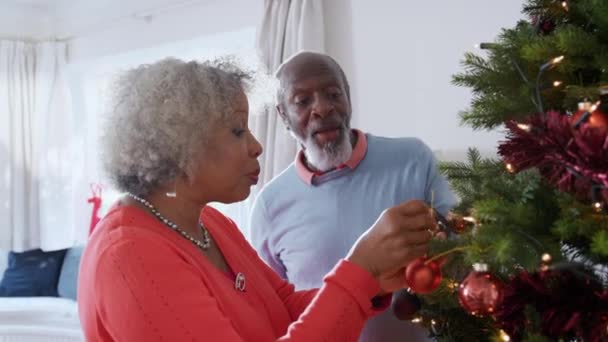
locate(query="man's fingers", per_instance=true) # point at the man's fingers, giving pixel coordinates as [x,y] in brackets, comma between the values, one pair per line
[417,251]
[421,221]
[419,237]
[412,207]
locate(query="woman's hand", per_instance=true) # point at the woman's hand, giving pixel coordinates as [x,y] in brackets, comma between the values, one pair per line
[400,235]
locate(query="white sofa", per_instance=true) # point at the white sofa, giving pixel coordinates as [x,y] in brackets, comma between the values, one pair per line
[38,319]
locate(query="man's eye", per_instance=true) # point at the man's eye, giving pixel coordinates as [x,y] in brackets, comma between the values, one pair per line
[302,101]
[238,132]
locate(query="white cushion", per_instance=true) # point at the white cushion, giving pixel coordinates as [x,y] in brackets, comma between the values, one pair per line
[29,333]
[39,311]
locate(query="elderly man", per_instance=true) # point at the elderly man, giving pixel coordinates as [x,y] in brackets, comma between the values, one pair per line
[305,219]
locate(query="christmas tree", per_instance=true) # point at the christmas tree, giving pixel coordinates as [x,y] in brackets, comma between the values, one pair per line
[529,259]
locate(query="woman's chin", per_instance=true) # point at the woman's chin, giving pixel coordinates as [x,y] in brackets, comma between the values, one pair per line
[237,196]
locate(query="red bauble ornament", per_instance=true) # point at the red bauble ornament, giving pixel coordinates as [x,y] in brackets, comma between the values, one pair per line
[592,117]
[546,26]
[461,224]
[422,276]
[405,305]
[480,293]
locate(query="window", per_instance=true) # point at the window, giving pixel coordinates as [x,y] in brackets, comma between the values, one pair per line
[91,79]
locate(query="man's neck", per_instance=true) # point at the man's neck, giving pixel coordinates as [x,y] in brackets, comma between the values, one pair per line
[353,141]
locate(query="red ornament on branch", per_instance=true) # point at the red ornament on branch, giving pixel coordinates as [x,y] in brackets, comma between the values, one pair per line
[592,117]
[461,224]
[480,293]
[423,276]
[405,305]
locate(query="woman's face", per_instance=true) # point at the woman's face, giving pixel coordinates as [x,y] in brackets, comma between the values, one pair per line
[228,163]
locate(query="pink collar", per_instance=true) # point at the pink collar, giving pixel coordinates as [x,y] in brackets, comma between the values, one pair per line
[357,156]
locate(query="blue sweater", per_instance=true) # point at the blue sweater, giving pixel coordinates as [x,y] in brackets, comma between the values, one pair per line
[301,230]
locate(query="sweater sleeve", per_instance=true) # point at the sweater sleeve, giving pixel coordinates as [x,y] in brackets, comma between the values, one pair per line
[139,305]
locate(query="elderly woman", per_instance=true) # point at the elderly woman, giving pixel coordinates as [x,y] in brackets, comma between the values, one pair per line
[164,266]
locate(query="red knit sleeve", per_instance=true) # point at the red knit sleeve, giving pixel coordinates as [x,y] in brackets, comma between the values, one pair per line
[339,309]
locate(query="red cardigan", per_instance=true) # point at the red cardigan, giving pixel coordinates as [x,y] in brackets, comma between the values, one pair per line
[141,281]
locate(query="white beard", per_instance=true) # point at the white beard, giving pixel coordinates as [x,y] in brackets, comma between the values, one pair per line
[330,156]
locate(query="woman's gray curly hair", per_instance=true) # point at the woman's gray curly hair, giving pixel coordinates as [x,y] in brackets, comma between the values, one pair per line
[161,116]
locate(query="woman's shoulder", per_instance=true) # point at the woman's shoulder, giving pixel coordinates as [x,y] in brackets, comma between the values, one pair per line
[127,221]
[129,227]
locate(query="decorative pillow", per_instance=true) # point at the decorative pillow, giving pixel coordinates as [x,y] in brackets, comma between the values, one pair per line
[32,273]
[68,278]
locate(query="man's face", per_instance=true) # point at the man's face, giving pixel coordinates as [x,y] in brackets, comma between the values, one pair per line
[316,108]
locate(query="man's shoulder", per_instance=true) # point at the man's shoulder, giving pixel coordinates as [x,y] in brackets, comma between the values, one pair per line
[409,146]
[280,183]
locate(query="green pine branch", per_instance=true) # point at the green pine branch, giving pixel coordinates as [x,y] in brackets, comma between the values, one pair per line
[519,216]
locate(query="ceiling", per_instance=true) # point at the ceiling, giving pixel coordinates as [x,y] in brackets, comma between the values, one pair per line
[64,18]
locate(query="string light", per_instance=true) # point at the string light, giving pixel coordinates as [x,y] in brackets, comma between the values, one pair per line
[510,168]
[546,261]
[452,285]
[557,83]
[417,320]
[469,219]
[597,206]
[557,60]
[504,336]
[548,65]
[524,127]
[565,5]
[585,105]
[551,63]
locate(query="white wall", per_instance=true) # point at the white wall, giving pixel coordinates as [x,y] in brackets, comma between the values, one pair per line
[198,20]
[18,21]
[400,56]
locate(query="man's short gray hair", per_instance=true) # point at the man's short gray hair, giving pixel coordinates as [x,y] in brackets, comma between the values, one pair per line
[278,73]
[161,116]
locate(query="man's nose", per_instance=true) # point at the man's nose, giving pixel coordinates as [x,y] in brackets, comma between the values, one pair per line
[322,106]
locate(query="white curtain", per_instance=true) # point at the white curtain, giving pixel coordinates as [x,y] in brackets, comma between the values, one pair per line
[42,190]
[288,26]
